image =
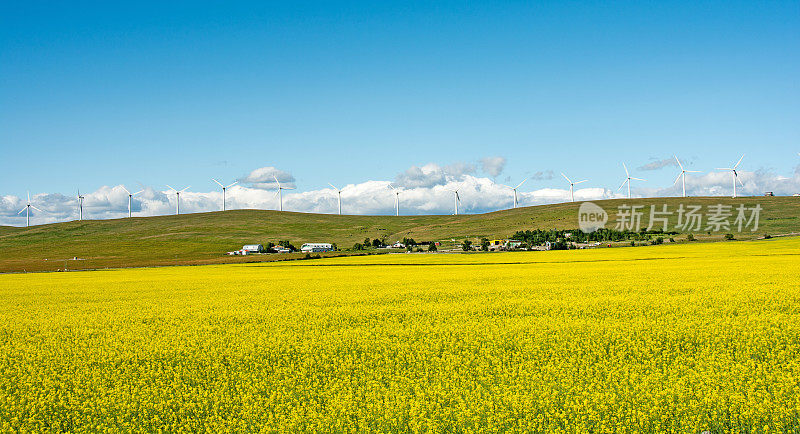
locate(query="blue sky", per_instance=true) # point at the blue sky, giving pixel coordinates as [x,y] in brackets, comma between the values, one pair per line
[98,94]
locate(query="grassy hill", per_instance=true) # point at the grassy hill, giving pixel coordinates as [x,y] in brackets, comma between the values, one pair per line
[204,238]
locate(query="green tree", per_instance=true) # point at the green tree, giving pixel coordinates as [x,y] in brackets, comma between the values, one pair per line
[466,245]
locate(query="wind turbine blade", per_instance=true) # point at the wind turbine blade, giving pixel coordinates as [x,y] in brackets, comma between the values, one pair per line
[23,210]
[639,179]
[737,163]
[565,177]
[29,197]
[276,180]
[724,168]
[37,209]
[739,181]
[186,188]
[626,169]
[693,171]
[171,187]
[126,190]
[289,188]
[623,184]
[140,191]
[520,184]
[231,185]
[218,183]
[678,178]
[581,181]
[503,185]
[334,187]
[679,162]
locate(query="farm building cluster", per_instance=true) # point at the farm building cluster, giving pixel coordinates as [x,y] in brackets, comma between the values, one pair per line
[282,247]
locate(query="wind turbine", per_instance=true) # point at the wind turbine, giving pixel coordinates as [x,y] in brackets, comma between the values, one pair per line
[571,185]
[80,205]
[456,199]
[27,211]
[178,198]
[280,192]
[683,174]
[628,178]
[734,173]
[224,187]
[515,190]
[130,198]
[396,200]
[339,192]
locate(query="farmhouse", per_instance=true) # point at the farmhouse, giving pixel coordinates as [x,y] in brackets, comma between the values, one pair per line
[316,247]
[253,248]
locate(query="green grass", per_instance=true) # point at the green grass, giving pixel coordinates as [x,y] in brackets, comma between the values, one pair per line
[204,238]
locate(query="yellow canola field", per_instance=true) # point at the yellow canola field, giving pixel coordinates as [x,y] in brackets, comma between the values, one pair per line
[680,338]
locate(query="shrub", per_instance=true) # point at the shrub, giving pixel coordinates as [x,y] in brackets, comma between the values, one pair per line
[432,247]
[729,237]
[690,237]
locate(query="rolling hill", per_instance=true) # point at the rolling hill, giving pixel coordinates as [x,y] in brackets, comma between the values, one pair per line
[203,238]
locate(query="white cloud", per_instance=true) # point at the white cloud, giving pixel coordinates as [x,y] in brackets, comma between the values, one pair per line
[659,164]
[493,165]
[264,178]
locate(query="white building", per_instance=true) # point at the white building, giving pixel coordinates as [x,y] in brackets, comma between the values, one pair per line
[316,247]
[253,248]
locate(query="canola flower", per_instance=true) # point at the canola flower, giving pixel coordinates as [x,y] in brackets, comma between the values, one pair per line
[680,338]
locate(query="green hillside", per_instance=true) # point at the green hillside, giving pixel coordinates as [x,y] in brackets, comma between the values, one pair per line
[205,237]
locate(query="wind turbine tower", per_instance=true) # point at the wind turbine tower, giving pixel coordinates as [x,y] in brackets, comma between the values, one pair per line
[339,193]
[178,198]
[396,200]
[280,193]
[683,174]
[27,211]
[130,198]
[456,200]
[515,190]
[735,174]
[224,188]
[80,205]
[571,186]
[628,178]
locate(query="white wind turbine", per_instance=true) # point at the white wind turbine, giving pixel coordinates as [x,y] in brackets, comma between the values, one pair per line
[683,174]
[515,190]
[338,192]
[628,178]
[27,211]
[280,192]
[177,198]
[571,186]
[224,188]
[396,200]
[456,199]
[80,205]
[130,198]
[734,173]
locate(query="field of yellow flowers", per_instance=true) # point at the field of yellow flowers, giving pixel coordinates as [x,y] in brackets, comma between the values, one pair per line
[680,338]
